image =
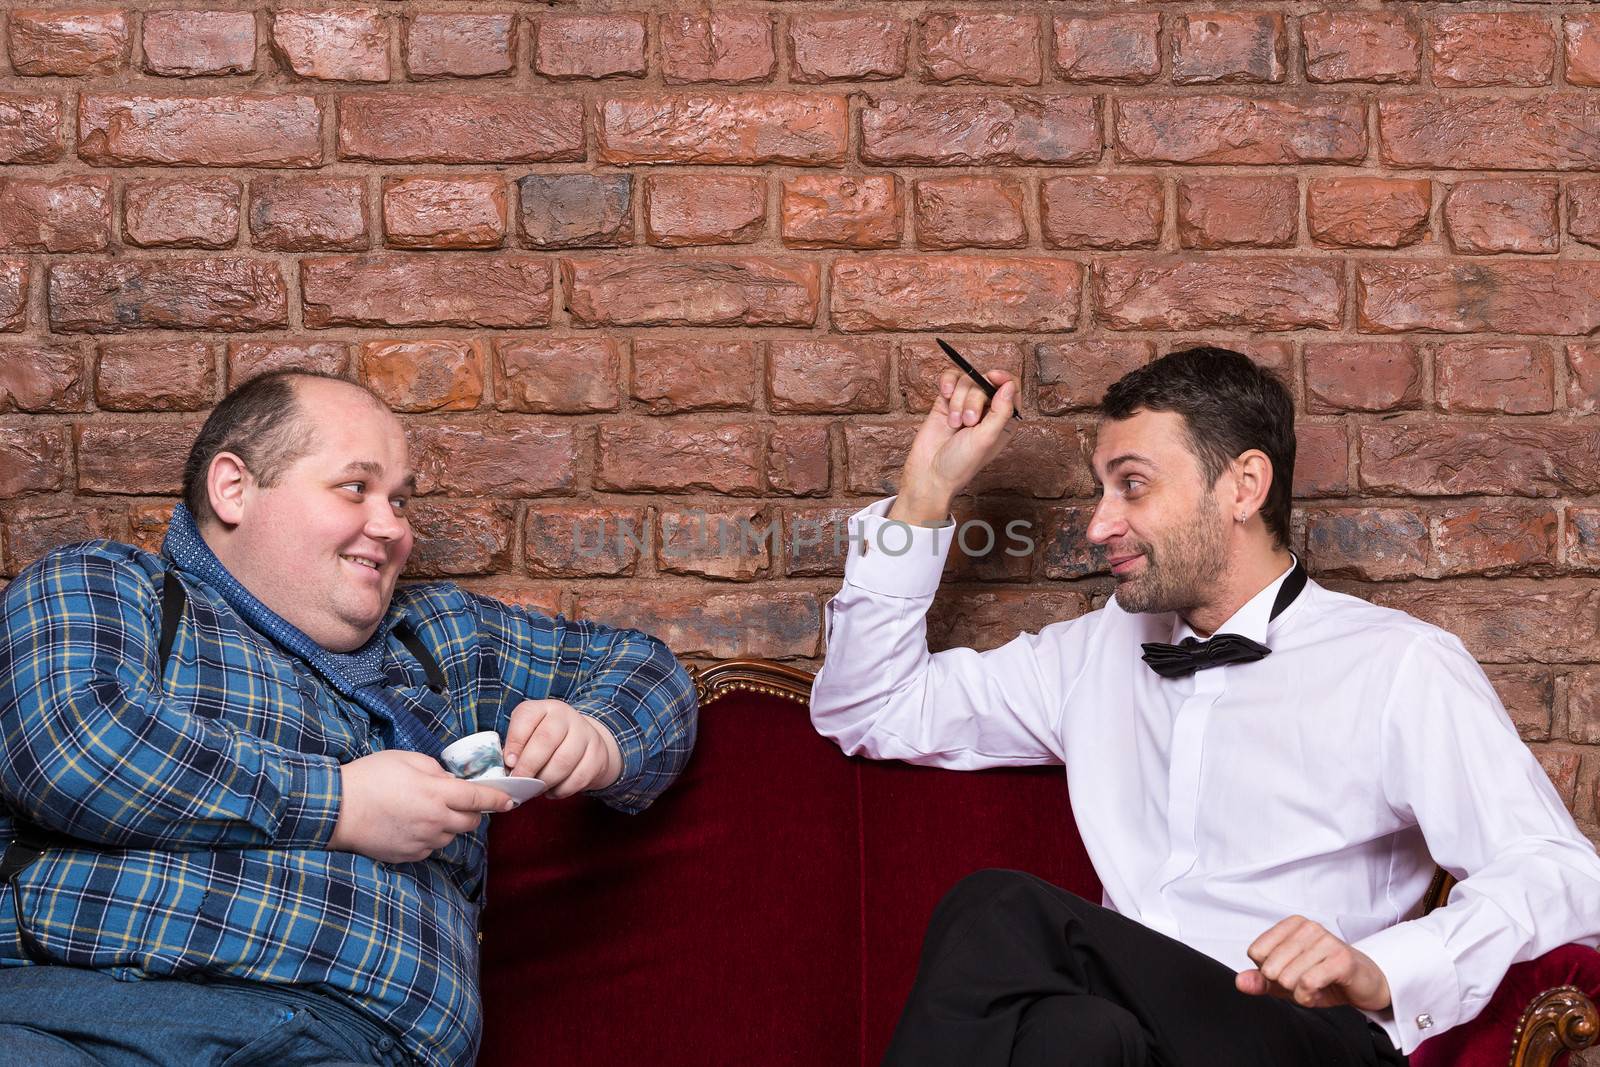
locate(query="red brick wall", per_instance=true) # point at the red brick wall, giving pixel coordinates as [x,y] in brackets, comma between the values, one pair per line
[625,262]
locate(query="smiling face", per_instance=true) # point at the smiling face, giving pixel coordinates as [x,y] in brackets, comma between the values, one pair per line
[1164,527]
[324,545]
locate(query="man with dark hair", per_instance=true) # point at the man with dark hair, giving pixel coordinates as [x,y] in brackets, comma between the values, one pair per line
[1264,772]
[226,833]
[256,422]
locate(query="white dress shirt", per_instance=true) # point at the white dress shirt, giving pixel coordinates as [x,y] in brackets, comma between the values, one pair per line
[1325,780]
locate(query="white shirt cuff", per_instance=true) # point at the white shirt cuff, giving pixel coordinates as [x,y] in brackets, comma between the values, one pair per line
[894,558]
[1424,992]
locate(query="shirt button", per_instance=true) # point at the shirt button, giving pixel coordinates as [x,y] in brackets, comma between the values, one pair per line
[1424,1021]
[384,1044]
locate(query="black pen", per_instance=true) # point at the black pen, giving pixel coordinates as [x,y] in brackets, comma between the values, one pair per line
[983,383]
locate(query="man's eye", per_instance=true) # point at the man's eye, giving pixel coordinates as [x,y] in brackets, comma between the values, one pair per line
[400,503]
[355,487]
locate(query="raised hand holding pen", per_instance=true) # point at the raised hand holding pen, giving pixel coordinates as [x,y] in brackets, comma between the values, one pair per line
[988,387]
[955,442]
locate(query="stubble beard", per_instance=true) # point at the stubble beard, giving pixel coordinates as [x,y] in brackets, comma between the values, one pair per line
[1177,576]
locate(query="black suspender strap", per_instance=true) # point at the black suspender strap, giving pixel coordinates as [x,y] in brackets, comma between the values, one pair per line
[414,645]
[173,598]
[27,846]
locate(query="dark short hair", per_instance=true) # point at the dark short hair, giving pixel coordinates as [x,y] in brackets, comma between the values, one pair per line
[1229,406]
[260,422]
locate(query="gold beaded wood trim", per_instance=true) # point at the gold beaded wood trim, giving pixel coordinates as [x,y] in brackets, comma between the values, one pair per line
[1559,1020]
[752,676]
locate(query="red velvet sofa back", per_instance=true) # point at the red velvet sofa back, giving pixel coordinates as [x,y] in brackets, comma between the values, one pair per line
[768,910]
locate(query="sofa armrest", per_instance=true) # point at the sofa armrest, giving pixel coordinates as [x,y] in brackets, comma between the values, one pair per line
[1543,1011]
[1558,1020]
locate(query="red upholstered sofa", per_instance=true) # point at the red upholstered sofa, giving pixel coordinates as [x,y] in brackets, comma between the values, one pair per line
[769,909]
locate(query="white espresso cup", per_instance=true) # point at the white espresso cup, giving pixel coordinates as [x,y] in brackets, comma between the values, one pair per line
[477,755]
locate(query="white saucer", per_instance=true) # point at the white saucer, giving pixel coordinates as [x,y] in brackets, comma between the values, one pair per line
[519,789]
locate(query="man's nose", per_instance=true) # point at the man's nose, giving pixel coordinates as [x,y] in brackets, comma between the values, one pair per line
[1106,522]
[384,523]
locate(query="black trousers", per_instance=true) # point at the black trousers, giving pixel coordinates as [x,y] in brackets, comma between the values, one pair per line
[1017,972]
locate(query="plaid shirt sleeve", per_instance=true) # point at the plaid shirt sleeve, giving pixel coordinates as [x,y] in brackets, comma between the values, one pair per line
[89,746]
[626,679]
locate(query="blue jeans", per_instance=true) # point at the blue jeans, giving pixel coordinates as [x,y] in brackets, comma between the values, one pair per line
[70,1017]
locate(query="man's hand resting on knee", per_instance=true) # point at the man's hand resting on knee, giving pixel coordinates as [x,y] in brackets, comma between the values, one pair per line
[1300,961]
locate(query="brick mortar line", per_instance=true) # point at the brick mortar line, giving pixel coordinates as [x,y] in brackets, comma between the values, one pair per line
[1574,251]
[1085,295]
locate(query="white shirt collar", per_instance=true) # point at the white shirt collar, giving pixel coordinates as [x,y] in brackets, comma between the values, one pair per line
[1250,621]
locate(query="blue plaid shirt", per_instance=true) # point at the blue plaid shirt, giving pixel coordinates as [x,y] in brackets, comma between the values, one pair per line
[212,788]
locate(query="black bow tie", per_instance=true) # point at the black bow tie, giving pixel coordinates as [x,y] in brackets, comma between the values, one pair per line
[1174,661]
[1193,654]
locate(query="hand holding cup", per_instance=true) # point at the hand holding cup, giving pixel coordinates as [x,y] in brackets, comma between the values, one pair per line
[475,756]
[399,807]
[569,751]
